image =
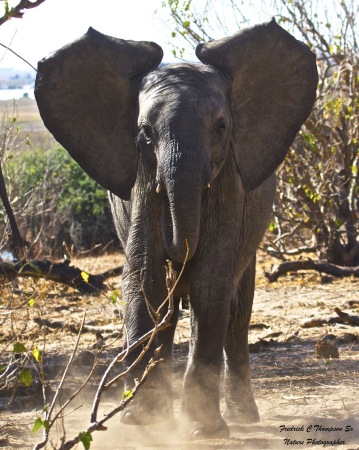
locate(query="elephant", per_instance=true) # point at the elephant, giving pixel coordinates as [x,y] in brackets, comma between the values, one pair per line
[188,153]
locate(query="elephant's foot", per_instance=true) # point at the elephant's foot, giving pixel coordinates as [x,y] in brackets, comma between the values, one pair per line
[203,423]
[146,412]
[199,431]
[243,412]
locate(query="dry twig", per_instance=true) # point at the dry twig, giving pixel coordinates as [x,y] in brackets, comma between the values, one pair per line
[48,420]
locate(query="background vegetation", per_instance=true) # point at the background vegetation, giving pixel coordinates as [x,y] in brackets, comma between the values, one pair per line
[67,205]
[57,203]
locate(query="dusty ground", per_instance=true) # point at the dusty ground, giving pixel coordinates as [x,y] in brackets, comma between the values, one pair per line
[292,386]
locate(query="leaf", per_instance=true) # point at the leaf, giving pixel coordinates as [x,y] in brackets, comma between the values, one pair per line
[85,276]
[37,425]
[6,3]
[32,302]
[127,394]
[272,227]
[115,295]
[19,348]
[25,377]
[37,354]
[86,439]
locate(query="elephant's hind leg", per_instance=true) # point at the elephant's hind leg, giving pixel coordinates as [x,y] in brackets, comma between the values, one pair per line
[240,403]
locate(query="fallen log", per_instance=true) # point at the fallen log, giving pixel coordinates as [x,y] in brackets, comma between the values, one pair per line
[61,272]
[309,264]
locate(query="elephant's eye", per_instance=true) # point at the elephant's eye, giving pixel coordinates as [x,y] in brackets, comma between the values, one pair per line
[147,133]
[220,127]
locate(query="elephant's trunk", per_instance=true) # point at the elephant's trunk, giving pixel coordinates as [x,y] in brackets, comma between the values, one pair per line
[181,223]
[181,209]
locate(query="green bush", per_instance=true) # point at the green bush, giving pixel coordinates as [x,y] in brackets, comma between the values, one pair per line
[59,202]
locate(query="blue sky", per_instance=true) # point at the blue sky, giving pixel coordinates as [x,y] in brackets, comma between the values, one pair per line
[57,22]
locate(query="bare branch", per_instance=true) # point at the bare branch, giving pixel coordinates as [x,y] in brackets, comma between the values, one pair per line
[149,336]
[99,426]
[18,10]
[16,54]
[49,412]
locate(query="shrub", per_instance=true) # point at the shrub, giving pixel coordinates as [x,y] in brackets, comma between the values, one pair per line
[64,204]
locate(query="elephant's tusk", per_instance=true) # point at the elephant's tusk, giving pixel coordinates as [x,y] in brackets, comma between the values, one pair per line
[158,189]
[209,185]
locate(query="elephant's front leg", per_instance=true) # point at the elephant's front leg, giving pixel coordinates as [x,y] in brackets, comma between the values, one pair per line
[201,397]
[241,406]
[153,401]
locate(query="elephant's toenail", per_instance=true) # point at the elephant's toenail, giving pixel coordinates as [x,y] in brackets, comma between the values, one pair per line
[198,434]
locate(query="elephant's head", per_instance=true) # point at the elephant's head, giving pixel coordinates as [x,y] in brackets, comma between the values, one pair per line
[106,101]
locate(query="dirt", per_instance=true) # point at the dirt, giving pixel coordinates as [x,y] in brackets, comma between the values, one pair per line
[307,397]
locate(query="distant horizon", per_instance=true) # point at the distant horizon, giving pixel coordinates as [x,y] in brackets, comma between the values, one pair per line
[16,69]
[18,94]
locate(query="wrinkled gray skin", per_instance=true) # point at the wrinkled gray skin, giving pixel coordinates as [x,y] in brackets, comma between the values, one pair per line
[188,152]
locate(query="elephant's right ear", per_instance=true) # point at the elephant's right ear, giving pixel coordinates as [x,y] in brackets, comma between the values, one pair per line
[85,97]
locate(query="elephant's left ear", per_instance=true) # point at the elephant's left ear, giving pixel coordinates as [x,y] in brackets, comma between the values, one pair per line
[85,95]
[273,91]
